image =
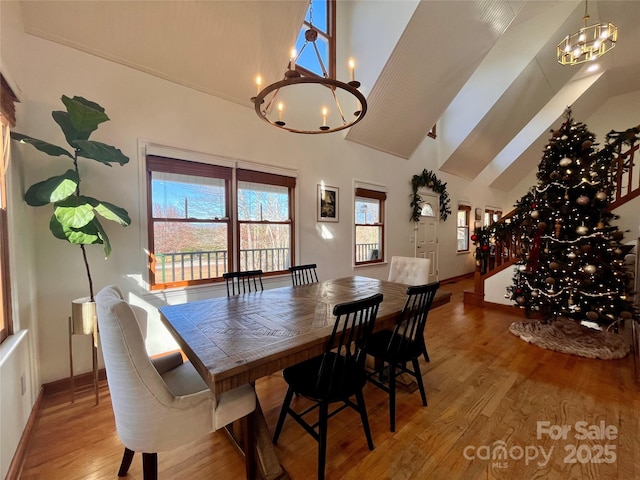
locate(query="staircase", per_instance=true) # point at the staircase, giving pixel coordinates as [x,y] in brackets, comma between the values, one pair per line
[504,252]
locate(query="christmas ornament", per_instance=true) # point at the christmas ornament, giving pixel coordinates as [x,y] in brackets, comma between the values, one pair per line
[583,200]
[582,230]
[535,214]
[550,280]
[521,300]
[591,315]
[601,196]
[554,265]
[565,162]
[590,269]
[587,144]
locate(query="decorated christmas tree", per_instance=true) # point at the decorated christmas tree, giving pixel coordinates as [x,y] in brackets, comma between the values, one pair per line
[572,256]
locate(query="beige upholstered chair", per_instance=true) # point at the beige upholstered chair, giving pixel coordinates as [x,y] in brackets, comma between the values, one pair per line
[409,270]
[163,406]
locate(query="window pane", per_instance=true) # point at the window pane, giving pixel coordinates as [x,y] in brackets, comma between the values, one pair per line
[186,196]
[307,57]
[189,251]
[258,202]
[462,239]
[319,19]
[367,210]
[462,218]
[265,247]
[368,243]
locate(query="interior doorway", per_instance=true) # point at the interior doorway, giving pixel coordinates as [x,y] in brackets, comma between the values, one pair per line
[426,235]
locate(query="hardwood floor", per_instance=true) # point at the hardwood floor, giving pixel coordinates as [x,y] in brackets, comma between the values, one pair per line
[485,388]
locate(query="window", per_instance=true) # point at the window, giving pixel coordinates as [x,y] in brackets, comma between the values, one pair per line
[491,216]
[464,212]
[369,223]
[322,14]
[265,227]
[192,221]
[5,285]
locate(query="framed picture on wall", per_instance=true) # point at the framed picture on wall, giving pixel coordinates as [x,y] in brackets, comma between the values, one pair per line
[478,214]
[327,203]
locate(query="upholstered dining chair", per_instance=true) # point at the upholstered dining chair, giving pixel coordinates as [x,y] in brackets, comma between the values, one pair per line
[410,271]
[396,348]
[163,406]
[335,376]
[243,282]
[303,274]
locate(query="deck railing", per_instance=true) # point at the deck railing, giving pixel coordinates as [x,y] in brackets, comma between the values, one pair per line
[185,266]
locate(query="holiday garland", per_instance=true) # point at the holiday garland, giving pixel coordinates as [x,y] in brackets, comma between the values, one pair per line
[428,179]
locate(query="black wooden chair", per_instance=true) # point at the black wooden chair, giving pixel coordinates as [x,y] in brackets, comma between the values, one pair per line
[334,376]
[243,282]
[405,343]
[303,274]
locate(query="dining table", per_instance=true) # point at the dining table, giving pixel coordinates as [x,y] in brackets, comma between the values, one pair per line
[236,340]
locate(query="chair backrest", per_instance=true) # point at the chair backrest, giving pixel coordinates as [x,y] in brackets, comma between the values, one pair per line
[149,417]
[344,359]
[303,274]
[409,270]
[243,282]
[408,334]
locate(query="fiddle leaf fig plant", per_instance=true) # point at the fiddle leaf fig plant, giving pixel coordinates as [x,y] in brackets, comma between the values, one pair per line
[76,216]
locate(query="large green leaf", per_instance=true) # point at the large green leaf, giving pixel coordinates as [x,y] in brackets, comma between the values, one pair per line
[74,212]
[45,147]
[113,213]
[103,236]
[84,114]
[67,127]
[86,235]
[101,152]
[53,189]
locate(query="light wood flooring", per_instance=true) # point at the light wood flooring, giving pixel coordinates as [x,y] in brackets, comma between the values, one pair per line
[485,388]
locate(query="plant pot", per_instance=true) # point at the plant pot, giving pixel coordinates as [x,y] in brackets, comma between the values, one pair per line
[83,316]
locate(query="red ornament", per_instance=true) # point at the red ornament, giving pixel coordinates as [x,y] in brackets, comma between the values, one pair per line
[485,248]
[474,237]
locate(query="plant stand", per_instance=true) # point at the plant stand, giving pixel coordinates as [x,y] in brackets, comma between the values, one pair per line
[94,357]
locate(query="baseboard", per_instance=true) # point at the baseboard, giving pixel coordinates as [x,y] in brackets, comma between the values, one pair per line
[19,457]
[457,278]
[80,381]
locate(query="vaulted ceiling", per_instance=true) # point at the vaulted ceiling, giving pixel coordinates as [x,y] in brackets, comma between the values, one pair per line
[485,70]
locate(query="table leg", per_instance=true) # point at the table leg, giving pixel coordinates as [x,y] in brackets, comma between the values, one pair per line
[268,465]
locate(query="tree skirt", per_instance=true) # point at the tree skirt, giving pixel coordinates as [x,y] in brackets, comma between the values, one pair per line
[568,336]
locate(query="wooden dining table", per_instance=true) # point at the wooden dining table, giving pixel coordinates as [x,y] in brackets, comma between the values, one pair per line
[233,341]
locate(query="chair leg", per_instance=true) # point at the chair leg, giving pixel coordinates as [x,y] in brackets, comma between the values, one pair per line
[323,414]
[127,458]
[283,414]
[249,437]
[424,351]
[150,466]
[392,397]
[365,419]
[416,369]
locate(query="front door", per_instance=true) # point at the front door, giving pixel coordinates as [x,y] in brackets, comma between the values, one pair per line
[427,234]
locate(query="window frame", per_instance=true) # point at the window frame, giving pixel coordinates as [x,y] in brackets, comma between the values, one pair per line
[6,319]
[361,192]
[171,160]
[245,175]
[330,35]
[466,227]
[491,212]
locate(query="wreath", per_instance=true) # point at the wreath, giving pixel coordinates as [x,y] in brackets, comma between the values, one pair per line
[429,179]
